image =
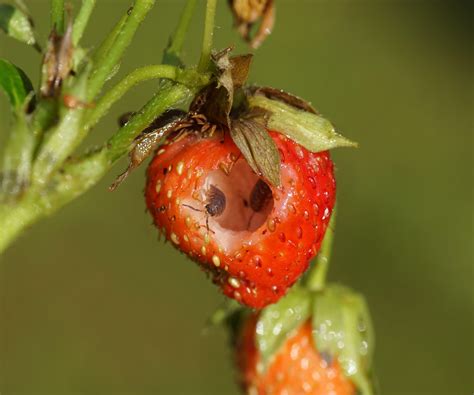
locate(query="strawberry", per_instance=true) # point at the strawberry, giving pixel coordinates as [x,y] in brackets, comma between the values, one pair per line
[297,368]
[254,238]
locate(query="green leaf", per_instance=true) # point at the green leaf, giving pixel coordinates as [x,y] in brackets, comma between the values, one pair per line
[308,129]
[258,148]
[14,83]
[277,322]
[342,328]
[16,24]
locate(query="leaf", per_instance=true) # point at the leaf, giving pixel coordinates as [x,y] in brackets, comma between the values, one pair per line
[14,83]
[15,23]
[308,129]
[240,68]
[281,95]
[342,328]
[258,148]
[276,322]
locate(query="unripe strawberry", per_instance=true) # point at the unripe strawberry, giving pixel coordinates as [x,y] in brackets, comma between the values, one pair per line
[297,368]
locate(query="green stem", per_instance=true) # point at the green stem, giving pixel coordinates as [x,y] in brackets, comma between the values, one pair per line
[135,77]
[57,16]
[17,156]
[172,53]
[123,38]
[81,20]
[80,175]
[208,36]
[102,52]
[316,277]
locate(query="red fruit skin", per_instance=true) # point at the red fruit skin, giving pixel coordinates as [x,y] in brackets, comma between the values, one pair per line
[297,368]
[258,267]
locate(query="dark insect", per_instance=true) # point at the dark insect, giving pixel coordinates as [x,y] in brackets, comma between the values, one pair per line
[260,196]
[216,202]
[149,139]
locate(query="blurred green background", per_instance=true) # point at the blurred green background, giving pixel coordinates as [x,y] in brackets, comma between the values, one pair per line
[92,303]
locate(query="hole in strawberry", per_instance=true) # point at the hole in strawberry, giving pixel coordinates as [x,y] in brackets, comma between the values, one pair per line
[248,199]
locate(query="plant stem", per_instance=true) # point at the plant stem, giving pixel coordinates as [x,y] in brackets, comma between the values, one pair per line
[113,95]
[123,38]
[82,19]
[208,35]
[173,51]
[57,16]
[103,51]
[79,175]
[316,277]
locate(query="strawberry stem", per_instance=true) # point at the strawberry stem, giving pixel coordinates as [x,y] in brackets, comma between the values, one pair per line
[208,36]
[316,278]
[57,16]
[135,77]
[122,39]
[82,19]
[172,53]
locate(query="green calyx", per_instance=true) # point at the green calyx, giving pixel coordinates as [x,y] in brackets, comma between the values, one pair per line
[306,128]
[342,329]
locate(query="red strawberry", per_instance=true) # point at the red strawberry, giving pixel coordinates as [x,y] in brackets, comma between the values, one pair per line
[254,239]
[296,369]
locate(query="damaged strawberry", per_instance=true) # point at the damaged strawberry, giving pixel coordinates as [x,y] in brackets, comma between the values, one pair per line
[254,238]
[243,183]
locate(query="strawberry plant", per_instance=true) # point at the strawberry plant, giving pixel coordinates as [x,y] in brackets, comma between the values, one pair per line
[241,180]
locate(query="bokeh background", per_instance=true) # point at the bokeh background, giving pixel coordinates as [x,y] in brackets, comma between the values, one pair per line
[92,303]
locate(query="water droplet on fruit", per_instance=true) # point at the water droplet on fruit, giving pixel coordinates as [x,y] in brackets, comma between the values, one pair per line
[326,213]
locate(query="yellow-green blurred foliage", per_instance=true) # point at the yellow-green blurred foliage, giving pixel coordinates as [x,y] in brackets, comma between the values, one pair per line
[92,303]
